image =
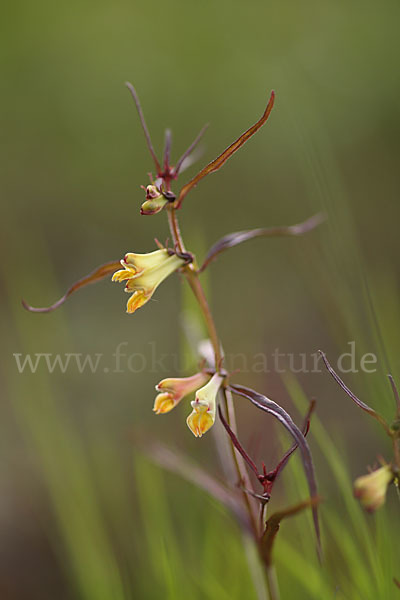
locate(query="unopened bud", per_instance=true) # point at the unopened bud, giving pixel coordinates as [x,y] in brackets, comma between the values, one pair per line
[154,202]
[371,489]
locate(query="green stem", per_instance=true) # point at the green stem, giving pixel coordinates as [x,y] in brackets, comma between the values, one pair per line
[396,451]
[272,582]
[194,282]
[192,277]
[240,467]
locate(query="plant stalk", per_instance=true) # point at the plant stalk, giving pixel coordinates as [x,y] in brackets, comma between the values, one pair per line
[192,277]
[272,582]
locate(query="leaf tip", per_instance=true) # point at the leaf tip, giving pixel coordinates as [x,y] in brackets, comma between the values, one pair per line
[25,305]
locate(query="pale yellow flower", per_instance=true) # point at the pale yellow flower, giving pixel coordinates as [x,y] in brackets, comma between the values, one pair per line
[172,390]
[143,273]
[204,407]
[371,489]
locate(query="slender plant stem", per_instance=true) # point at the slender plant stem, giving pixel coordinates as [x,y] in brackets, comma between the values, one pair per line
[194,282]
[244,479]
[272,582]
[396,450]
[192,277]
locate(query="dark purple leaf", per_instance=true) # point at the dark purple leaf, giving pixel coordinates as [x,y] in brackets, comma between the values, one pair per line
[359,402]
[306,426]
[233,239]
[98,274]
[237,444]
[143,122]
[285,419]
[274,521]
[187,152]
[395,394]
[167,148]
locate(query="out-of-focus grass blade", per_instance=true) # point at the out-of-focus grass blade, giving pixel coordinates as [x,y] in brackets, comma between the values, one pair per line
[57,450]
[159,542]
[309,580]
[366,561]
[172,461]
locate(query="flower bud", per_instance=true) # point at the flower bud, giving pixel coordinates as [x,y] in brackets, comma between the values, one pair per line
[371,489]
[204,407]
[155,201]
[174,389]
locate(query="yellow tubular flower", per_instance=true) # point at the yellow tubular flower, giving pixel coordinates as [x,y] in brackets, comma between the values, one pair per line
[174,389]
[371,489]
[204,407]
[143,273]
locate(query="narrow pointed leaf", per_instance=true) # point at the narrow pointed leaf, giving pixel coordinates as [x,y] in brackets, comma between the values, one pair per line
[167,148]
[395,394]
[237,444]
[144,126]
[188,152]
[305,429]
[272,408]
[93,277]
[355,399]
[234,239]
[273,524]
[226,154]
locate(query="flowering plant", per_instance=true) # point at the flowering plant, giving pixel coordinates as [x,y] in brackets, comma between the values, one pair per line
[211,388]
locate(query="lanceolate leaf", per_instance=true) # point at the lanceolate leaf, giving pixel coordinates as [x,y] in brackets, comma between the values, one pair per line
[396,394]
[98,274]
[237,444]
[188,152]
[222,158]
[233,239]
[273,524]
[143,122]
[283,417]
[355,399]
[305,429]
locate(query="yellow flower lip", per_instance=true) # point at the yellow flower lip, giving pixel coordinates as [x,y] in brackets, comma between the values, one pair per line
[163,403]
[143,273]
[371,489]
[137,300]
[202,418]
[173,389]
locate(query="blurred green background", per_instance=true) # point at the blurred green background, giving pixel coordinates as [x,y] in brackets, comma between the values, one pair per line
[82,513]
